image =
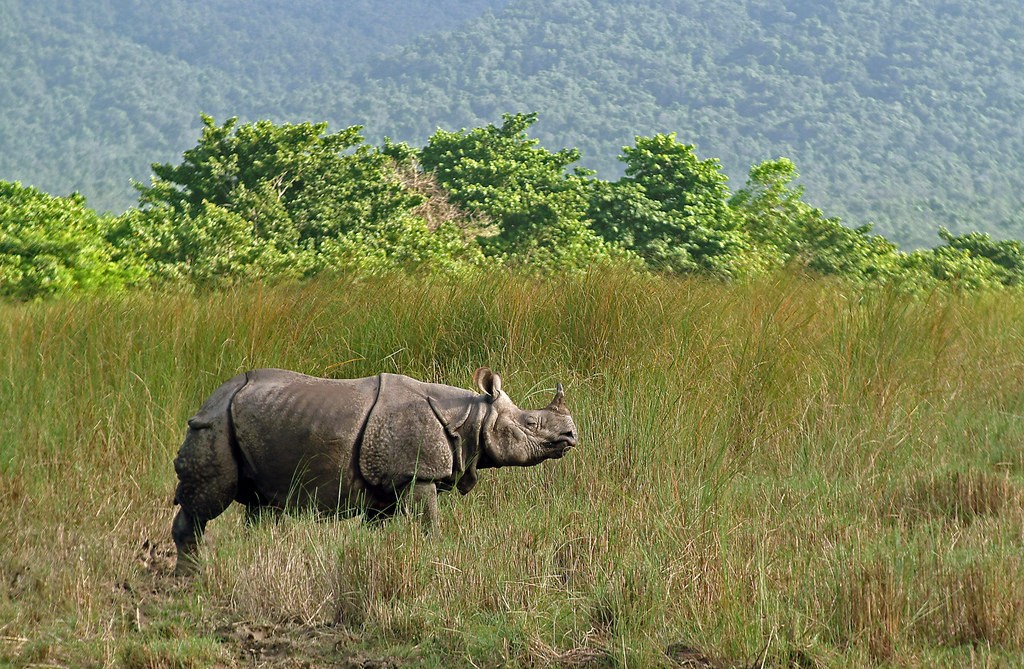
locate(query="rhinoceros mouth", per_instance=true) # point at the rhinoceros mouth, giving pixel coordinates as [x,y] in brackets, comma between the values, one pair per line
[561,446]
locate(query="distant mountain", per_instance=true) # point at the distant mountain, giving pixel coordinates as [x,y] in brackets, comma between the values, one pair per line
[904,114]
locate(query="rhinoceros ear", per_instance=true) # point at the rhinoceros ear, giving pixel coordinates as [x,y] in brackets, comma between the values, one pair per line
[488,382]
[558,403]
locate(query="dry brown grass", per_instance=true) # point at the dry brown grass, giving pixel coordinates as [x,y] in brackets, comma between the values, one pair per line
[437,209]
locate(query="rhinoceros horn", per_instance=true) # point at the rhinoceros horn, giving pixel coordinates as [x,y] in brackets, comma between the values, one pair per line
[558,403]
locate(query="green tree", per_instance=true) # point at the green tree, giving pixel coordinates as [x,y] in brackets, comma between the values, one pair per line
[785,230]
[54,245]
[537,203]
[211,246]
[320,183]
[948,266]
[671,209]
[771,212]
[1007,255]
[266,200]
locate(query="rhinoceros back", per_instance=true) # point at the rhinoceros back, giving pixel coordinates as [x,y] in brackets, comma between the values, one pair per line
[298,436]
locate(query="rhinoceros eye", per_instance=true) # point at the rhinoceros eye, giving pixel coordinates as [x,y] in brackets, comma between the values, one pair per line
[532,422]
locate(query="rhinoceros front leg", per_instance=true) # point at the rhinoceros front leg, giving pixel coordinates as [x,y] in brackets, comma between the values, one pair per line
[419,499]
[424,504]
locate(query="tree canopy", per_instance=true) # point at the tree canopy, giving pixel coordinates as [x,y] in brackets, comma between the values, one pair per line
[270,202]
[55,245]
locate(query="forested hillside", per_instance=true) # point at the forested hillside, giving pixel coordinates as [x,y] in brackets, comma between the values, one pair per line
[903,114]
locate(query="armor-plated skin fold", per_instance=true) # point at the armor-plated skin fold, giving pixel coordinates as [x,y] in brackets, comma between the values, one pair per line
[272,438]
[298,436]
[413,431]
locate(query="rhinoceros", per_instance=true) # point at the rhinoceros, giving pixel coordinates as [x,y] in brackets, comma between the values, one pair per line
[276,439]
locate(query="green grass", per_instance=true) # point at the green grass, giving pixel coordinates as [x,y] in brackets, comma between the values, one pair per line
[789,471]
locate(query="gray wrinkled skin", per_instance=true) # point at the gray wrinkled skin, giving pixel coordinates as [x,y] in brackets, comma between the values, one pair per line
[271,439]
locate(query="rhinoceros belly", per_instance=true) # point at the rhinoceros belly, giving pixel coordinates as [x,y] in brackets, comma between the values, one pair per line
[298,436]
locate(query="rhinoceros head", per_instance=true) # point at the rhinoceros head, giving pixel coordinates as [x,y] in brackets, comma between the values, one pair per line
[511,436]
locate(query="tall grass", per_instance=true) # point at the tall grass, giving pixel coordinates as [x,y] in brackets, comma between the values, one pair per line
[787,472]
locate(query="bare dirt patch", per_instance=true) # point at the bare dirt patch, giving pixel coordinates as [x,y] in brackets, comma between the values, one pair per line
[684,656]
[297,647]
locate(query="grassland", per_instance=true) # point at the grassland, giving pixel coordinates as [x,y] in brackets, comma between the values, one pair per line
[785,473]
